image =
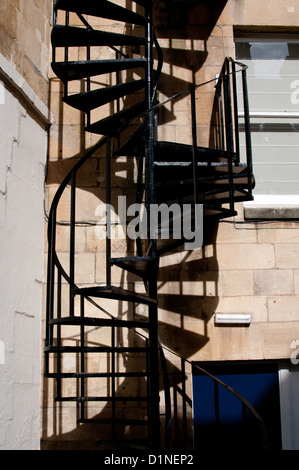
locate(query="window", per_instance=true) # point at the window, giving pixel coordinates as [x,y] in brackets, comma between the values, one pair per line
[273,83]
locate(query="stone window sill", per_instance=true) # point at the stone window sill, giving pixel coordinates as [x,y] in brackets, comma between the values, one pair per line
[272,208]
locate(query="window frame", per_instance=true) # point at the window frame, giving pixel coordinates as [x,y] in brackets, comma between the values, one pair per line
[270,206]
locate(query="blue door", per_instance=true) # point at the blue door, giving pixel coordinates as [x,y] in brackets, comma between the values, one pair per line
[220,420]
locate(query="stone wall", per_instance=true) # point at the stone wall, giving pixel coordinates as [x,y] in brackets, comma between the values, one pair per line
[24,40]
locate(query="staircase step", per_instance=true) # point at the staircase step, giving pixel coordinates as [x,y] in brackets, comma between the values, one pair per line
[140,266]
[164,246]
[103,399]
[218,196]
[71,36]
[176,152]
[68,71]
[113,124]
[112,292]
[95,349]
[78,375]
[92,99]
[218,212]
[100,322]
[211,165]
[179,177]
[117,422]
[102,9]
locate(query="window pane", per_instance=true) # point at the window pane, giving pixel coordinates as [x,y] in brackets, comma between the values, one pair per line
[273,83]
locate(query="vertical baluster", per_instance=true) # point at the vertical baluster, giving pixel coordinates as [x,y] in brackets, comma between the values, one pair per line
[108,211]
[51,278]
[66,52]
[82,359]
[236,117]
[88,114]
[229,131]
[113,388]
[58,357]
[247,131]
[72,242]
[194,144]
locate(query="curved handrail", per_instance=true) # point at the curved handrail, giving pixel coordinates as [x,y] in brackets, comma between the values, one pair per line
[59,193]
[243,400]
[199,85]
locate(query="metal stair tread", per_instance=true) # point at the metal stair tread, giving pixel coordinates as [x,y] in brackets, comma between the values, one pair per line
[103,398]
[140,266]
[72,36]
[68,71]
[113,292]
[121,422]
[209,199]
[95,321]
[165,246]
[173,151]
[102,9]
[77,375]
[216,165]
[113,124]
[96,349]
[90,100]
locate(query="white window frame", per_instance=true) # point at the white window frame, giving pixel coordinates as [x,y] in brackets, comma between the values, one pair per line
[269,206]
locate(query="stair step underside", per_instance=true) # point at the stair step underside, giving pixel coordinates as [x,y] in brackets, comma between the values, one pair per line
[113,124]
[113,292]
[95,349]
[102,9]
[100,322]
[72,36]
[68,71]
[103,399]
[78,375]
[164,246]
[93,99]
[120,422]
[212,165]
[172,152]
[210,199]
[214,180]
[140,266]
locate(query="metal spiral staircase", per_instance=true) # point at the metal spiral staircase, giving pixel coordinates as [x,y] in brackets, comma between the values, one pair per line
[167,173]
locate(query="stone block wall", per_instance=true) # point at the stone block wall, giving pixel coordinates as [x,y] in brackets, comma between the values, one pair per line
[24,40]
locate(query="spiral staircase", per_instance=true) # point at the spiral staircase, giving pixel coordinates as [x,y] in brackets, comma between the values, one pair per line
[168,173]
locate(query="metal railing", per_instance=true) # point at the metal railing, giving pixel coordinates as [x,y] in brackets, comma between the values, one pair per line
[186,429]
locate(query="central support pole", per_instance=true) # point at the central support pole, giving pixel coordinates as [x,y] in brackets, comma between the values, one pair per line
[154,409]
